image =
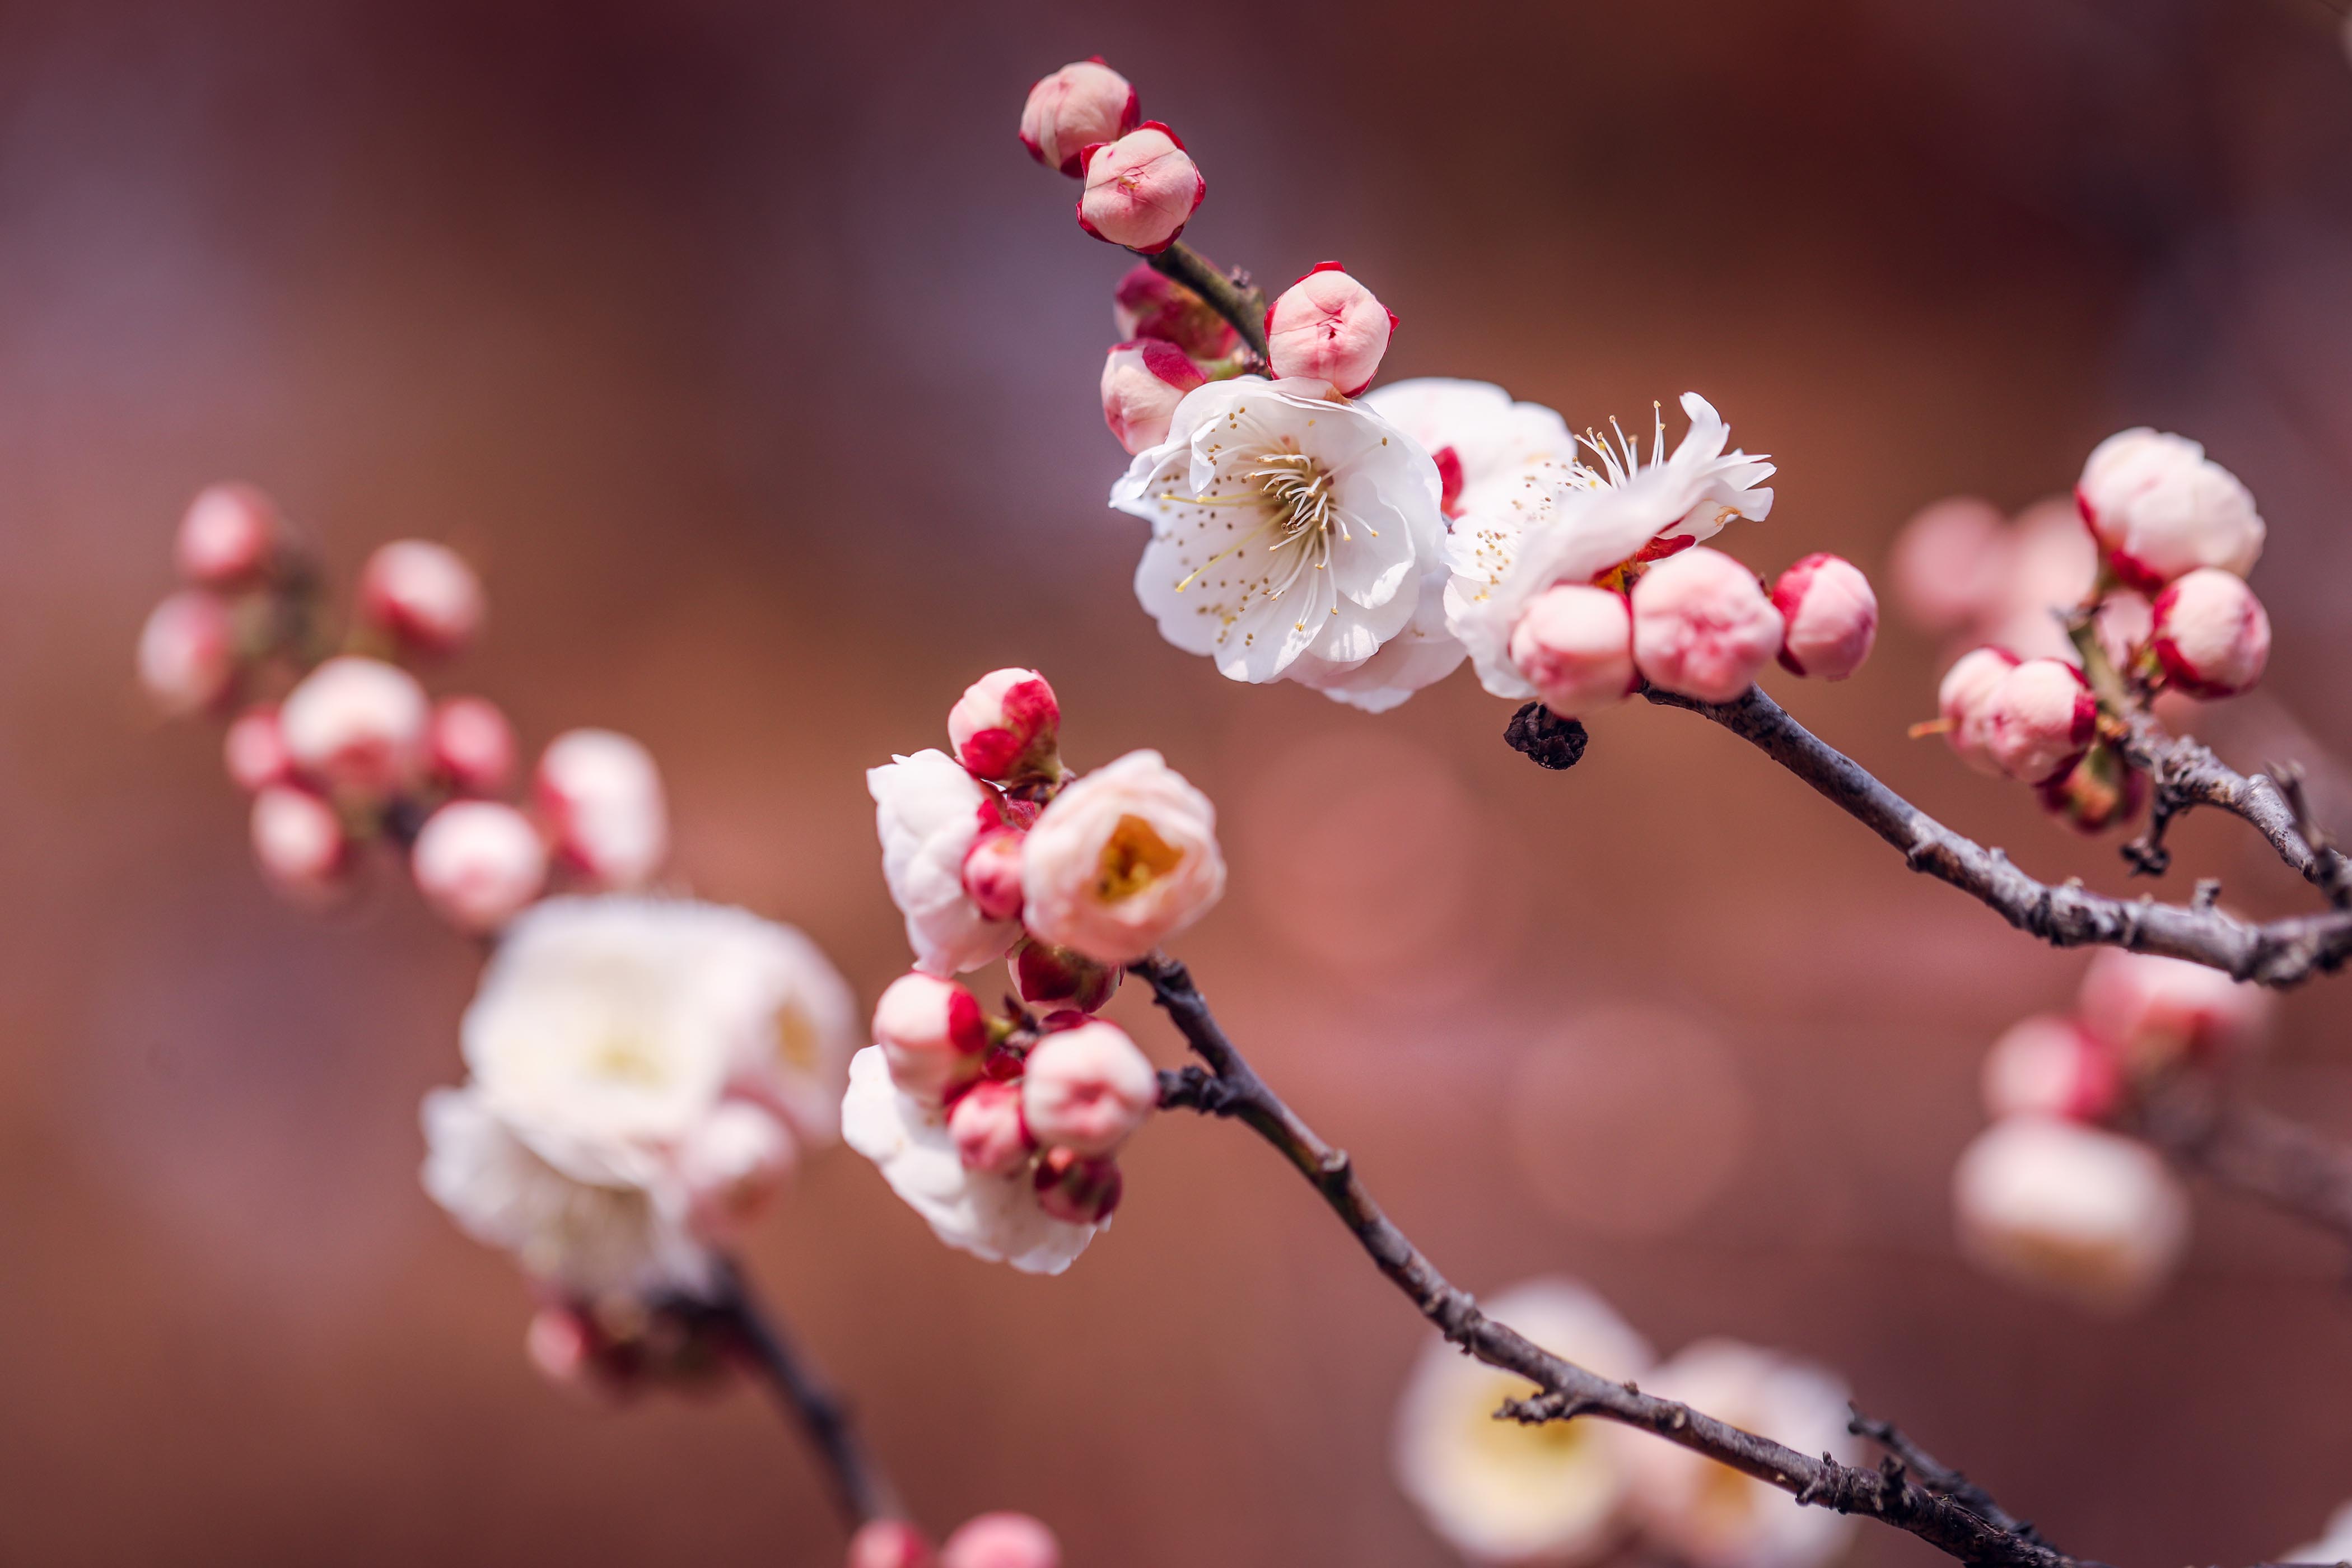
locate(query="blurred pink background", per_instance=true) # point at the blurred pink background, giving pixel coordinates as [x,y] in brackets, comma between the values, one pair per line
[753,362]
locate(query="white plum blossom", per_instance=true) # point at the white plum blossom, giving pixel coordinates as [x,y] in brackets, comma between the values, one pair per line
[2335,1545]
[1501,1492]
[929,812]
[2070,1209]
[1288,525]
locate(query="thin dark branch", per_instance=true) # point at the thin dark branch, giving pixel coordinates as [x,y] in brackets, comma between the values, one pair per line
[1939,1478]
[2184,772]
[1230,293]
[2252,1150]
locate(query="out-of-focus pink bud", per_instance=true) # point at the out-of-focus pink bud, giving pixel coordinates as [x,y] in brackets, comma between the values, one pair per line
[602,798]
[735,1159]
[2159,508]
[473,745]
[1831,613]
[889,1544]
[2100,791]
[933,1034]
[2211,636]
[1963,699]
[187,653]
[478,864]
[1088,1089]
[1575,646]
[229,534]
[992,872]
[1329,326]
[2123,622]
[1083,102]
[423,594]
[2040,719]
[1149,304]
[298,840]
[2048,1065]
[1007,726]
[2155,1012]
[1143,380]
[1141,189]
[1052,979]
[987,1129]
[1702,626]
[1002,1541]
[1951,563]
[2068,1208]
[254,751]
[358,724]
[561,1345]
[1074,1188]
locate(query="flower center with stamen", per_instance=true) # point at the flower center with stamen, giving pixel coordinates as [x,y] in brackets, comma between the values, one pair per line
[1299,492]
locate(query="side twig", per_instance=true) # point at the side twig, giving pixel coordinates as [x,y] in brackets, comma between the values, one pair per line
[2183,773]
[2253,1152]
[1937,1477]
[1231,294]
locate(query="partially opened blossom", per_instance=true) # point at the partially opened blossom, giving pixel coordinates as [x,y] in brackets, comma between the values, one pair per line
[1088,1089]
[2050,1065]
[229,534]
[423,593]
[478,864]
[1143,380]
[1122,859]
[2039,720]
[1002,1541]
[1712,1516]
[2211,636]
[1149,304]
[1703,627]
[601,795]
[1007,726]
[1500,1492]
[932,1033]
[1963,701]
[473,745]
[187,653]
[2068,1208]
[1328,327]
[928,811]
[2155,1012]
[1141,189]
[253,750]
[298,840]
[2159,508]
[1575,646]
[1083,103]
[1831,616]
[358,724]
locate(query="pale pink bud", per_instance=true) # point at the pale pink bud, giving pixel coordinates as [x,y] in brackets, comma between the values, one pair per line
[1965,697]
[602,798]
[359,724]
[1088,1089]
[1076,1189]
[889,1544]
[735,1159]
[473,745]
[1142,382]
[1120,860]
[2100,791]
[2159,508]
[1141,189]
[228,534]
[2211,636]
[1052,979]
[187,652]
[1329,326]
[1951,563]
[1575,646]
[423,594]
[1149,304]
[2048,1065]
[298,840]
[1006,726]
[1083,102]
[2155,1011]
[561,1346]
[255,752]
[987,1129]
[992,872]
[1831,613]
[2071,1209]
[2040,719]
[478,864]
[1702,626]
[933,1034]
[1002,1541]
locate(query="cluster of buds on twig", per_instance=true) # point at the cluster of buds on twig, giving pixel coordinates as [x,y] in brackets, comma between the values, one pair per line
[342,748]
[2054,1193]
[1002,1130]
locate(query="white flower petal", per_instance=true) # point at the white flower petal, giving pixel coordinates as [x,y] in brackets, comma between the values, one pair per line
[927,812]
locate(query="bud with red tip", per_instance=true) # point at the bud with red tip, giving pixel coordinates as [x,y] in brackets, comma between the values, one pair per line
[2211,636]
[1143,380]
[1702,626]
[423,593]
[2040,719]
[187,652]
[602,798]
[563,1345]
[1964,699]
[357,724]
[1141,190]
[1052,979]
[473,745]
[229,534]
[890,1543]
[1149,304]
[1088,1089]
[1007,726]
[255,752]
[1078,1189]
[988,1134]
[2048,1065]
[1329,326]
[2154,1012]
[478,864]
[1575,646]
[2159,508]
[298,841]
[1002,1541]
[933,1034]
[2100,791]
[732,1163]
[1832,616]
[992,872]
[1083,103]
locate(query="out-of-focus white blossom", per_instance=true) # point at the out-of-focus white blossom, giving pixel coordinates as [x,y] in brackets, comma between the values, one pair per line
[2070,1209]
[2335,1545]
[1121,859]
[928,811]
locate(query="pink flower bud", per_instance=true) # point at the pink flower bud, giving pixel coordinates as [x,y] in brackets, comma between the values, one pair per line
[255,752]
[735,1159]
[1831,613]
[1075,1189]
[1329,326]
[602,798]
[478,864]
[1952,562]
[1002,1541]
[473,745]
[1052,979]
[1964,699]
[298,840]
[561,1346]
[933,1034]
[987,1129]
[2211,635]
[992,872]
[2040,719]
[1702,626]
[228,535]
[1143,380]
[1088,1089]
[1083,102]
[2100,791]
[1575,646]
[2154,1012]
[1007,726]
[2159,508]
[2048,1065]
[187,653]
[423,594]
[358,724]
[889,1544]
[1149,304]
[1141,189]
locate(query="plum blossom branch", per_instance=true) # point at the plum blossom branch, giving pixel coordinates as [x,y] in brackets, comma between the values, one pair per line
[1232,295]
[1938,1478]
[2185,773]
